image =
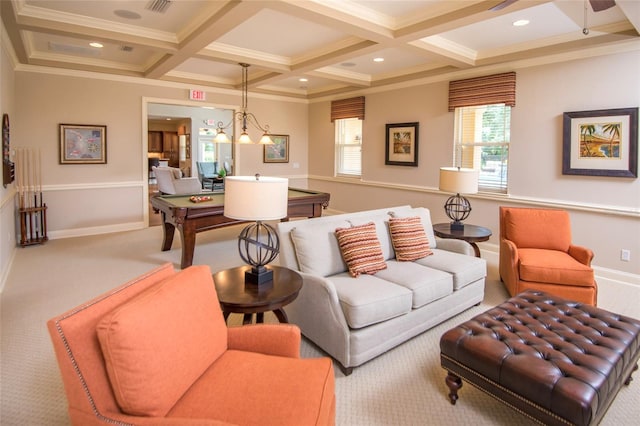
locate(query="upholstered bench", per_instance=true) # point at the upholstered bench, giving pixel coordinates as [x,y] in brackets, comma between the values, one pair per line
[556,361]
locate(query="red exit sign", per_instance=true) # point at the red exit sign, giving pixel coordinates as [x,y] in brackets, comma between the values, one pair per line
[196,95]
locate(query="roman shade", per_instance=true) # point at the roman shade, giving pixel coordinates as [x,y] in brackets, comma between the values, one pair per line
[492,89]
[347,108]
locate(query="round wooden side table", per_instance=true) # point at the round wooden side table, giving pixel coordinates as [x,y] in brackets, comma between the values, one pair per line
[236,296]
[471,234]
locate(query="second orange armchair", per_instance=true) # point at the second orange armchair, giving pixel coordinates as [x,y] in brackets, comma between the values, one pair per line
[536,253]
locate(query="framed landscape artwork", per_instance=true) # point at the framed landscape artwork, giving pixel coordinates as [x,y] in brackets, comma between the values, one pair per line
[401,144]
[278,152]
[600,143]
[83,144]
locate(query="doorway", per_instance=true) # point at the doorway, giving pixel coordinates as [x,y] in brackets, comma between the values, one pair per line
[178,135]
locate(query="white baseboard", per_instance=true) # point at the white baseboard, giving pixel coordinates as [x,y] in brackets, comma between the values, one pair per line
[7,269]
[604,276]
[95,230]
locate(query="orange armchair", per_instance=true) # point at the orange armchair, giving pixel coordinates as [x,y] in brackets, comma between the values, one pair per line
[536,253]
[156,351]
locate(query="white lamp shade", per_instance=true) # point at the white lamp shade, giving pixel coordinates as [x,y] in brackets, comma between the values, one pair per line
[248,198]
[458,180]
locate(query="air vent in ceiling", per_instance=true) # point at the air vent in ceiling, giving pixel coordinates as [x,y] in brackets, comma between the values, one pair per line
[126,48]
[76,50]
[159,6]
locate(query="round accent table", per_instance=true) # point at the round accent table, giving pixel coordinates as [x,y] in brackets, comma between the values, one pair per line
[471,234]
[236,296]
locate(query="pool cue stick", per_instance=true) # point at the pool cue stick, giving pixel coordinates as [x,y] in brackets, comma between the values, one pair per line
[29,190]
[34,217]
[22,203]
[34,214]
[19,177]
[19,188]
[36,220]
[23,226]
[42,224]
[17,158]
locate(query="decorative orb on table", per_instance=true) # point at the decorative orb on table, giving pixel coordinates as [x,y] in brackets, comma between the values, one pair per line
[457,208]
[259,245]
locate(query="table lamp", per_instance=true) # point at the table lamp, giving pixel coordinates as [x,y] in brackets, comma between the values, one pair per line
[459,181]
[257,198]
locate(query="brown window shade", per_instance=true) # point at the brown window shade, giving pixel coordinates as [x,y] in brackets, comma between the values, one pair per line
[347,108]
[492,89]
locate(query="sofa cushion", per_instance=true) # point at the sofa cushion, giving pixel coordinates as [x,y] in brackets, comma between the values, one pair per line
[316,247]
[361,249]
[177,173]
[381,220]
[249,388]
[368,299]
[553,266]
[408,238]
[533,228]
[465,269]
[151,358]
[426,284]
[425,217]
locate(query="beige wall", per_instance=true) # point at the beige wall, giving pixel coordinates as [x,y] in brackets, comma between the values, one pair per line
[605,211]
[7,206]
[86,199]
[82,198]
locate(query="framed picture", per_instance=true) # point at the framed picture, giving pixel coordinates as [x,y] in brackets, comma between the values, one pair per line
[402,144]
[278,152]
[600,143]
[83,144]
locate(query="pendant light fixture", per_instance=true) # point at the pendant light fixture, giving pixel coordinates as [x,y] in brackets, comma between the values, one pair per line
[244,117]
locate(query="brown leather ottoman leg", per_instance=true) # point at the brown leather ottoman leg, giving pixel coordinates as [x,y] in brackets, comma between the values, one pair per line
[629,379]
[454,382]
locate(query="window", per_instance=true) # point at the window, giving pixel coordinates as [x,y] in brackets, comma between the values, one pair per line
[348,146]
[482,135]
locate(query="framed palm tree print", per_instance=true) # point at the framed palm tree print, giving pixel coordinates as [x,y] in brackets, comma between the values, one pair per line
[601,143]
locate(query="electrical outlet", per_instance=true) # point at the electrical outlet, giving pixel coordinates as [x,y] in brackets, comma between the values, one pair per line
[625,255]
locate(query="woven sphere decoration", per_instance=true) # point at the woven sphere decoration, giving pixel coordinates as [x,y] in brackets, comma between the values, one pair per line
[457,208]
[258,244]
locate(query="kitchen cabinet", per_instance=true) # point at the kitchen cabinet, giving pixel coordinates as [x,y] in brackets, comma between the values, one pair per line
[171,148]
[155,141]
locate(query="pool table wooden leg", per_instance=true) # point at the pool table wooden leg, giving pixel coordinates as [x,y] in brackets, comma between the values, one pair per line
[169,230]
[188,237]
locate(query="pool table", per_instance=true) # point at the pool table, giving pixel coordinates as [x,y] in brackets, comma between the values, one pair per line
[190,218]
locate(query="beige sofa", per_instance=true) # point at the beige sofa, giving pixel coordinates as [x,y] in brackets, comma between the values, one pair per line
[171,181]
[357,319]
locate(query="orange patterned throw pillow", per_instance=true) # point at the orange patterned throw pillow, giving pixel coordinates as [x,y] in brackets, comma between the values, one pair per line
[361,249]
[409,239]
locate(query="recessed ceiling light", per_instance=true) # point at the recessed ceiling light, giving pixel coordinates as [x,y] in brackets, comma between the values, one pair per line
[127,14]
[521,23]
[378,59]
[96,44]
[348,64]
[303,79]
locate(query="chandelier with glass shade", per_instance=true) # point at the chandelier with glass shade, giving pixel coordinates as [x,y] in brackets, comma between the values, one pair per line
[244,117]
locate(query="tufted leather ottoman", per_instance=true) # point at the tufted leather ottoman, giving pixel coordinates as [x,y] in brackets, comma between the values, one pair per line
[556,361]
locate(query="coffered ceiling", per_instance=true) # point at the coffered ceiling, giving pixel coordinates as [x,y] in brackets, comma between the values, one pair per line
[310,49]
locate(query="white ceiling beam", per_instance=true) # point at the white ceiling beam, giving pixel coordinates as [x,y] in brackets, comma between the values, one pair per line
[219,23]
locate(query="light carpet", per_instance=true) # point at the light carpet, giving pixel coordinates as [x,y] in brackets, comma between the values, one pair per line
[404,386]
